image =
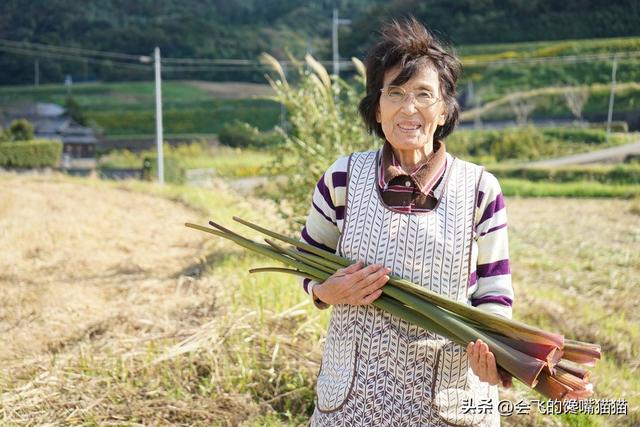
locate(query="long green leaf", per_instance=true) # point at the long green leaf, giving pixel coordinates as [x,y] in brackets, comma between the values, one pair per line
[300,257]
[520,365]
[264,250]
[297,243]
[282,270]
[452,319]
[507,327]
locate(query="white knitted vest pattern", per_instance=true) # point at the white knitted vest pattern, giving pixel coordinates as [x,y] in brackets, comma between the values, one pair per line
[379,370]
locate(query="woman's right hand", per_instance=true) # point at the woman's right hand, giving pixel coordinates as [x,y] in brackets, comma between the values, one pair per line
[353,285]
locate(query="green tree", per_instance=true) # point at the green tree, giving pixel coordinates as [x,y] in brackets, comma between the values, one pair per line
[21,130]
[75,111]
[324,124]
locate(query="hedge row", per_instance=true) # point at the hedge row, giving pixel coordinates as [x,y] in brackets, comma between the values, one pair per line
[614,174]
[30,154]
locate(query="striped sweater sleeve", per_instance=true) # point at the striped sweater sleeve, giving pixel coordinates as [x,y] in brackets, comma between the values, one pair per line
[326,214]
[490,286]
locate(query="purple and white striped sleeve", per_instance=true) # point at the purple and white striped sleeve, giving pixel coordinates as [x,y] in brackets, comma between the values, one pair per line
[490,286]
[326,214]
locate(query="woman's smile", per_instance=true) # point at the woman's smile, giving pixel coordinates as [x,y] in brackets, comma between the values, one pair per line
[409,127]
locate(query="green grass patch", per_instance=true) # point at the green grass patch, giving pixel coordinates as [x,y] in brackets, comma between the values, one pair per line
[226,162]
[496,80]
[233,163]
[129,107]
[210,118]
[606,174]
[106,96]
[524,188]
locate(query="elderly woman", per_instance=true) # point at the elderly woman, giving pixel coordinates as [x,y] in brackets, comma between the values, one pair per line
[413,210]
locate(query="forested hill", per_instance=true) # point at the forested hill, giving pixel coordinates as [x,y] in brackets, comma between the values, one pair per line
[507,21]
[245,28]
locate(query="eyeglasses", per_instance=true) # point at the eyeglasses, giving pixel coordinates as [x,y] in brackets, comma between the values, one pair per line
[397,95]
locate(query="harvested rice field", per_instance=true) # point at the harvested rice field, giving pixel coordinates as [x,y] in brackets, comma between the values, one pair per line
[113,313]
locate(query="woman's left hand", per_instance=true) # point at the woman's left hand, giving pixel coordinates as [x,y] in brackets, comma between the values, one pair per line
[483,364]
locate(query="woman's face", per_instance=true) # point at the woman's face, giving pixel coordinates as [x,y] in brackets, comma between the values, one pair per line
[406,124]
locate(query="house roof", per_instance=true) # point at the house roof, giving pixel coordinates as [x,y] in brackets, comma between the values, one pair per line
[51,121]
[45,109]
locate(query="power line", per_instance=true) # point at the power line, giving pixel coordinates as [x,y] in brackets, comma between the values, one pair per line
[68,57]
[554,59]
[197,62]
[181,64]
[248,67]
[208,61]
[132,61]
[69,50]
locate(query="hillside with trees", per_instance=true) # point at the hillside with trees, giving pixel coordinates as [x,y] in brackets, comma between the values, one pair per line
[245,28]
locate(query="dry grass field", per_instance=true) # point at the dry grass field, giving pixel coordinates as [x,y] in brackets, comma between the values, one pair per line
[113,313]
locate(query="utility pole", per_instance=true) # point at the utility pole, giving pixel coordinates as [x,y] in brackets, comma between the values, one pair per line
[159,136]
[68,82]
[334,39]
[158,90]
[612,94]
[36,72]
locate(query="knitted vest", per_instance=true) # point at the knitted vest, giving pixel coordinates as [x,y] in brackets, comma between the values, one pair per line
[377,369]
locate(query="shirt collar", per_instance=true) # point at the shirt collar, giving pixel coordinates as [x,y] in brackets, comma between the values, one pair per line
[427,173]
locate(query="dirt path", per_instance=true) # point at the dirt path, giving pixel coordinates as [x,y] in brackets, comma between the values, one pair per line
[617,154]
[77,257]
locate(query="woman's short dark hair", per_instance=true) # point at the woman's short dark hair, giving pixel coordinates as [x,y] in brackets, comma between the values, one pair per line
[411,46]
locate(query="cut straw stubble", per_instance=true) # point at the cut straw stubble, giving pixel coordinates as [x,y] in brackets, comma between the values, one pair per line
[522,350]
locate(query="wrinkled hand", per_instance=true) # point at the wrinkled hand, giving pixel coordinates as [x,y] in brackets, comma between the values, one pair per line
[483,364]
[353,285]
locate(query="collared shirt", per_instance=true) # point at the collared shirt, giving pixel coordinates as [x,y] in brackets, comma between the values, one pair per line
[489,286]
[411,191]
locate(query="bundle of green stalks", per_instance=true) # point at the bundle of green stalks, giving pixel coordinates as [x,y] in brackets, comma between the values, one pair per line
[544,361]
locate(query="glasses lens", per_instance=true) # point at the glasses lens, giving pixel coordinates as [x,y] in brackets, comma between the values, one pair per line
[395,94]
[425,98]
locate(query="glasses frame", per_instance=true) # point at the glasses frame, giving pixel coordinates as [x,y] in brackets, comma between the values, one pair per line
[406,95]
